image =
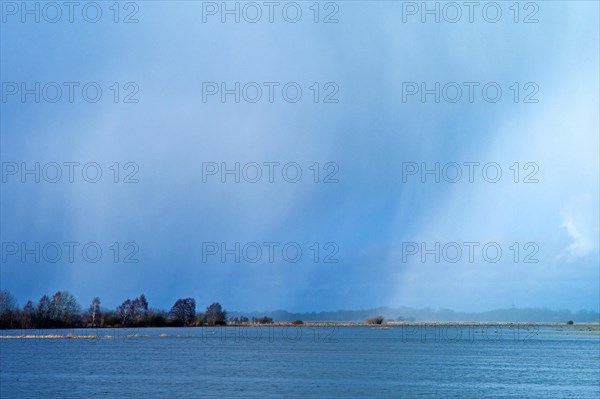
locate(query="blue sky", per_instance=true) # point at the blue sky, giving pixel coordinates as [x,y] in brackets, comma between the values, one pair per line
[369,133]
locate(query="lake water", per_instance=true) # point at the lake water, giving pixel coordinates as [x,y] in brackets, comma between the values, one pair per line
[306,362]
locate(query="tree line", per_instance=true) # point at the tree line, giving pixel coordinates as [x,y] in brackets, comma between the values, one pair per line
[61,310]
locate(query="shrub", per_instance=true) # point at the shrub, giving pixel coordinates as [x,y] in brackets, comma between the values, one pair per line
[264,320]
[570,322]
[375,320]
[297,322]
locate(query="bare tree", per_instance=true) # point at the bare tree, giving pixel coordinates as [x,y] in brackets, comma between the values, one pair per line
[8,309]
[42,313]
[215,315]
[139,309]
[183,311]
[63,309]
[28,315]
[124,311]
[94,312]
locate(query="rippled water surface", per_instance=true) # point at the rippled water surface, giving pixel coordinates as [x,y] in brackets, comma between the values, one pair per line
[322,362]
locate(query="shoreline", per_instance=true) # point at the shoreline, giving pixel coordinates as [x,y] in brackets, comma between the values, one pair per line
[71,333]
